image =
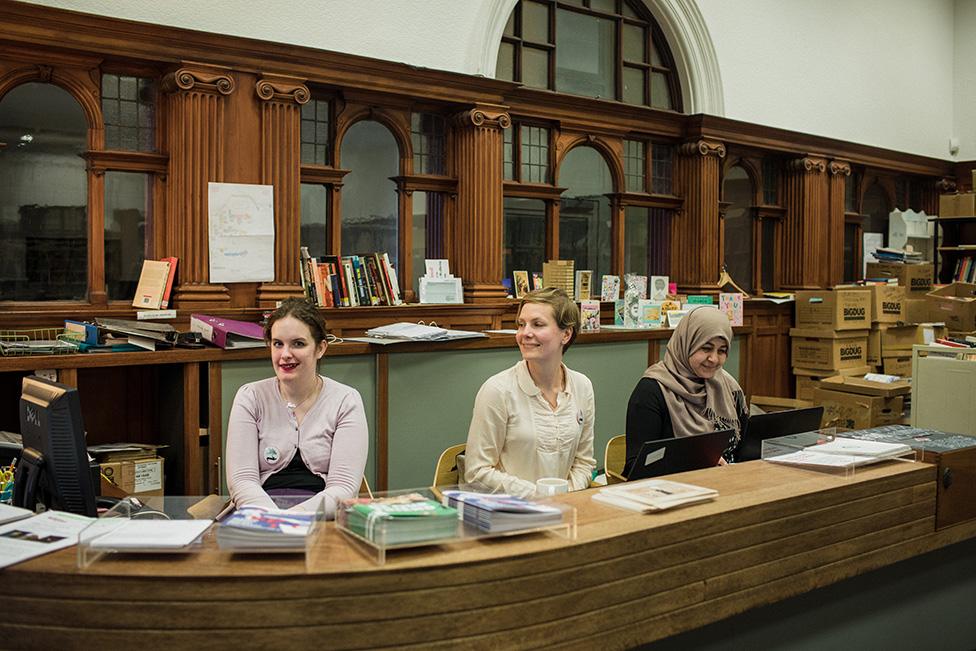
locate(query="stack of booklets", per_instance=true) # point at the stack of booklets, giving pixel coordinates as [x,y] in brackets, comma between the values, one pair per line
[254,527]
[843,453]
[884,254]
[501,513]
[399,519]
[331,281]
[654,495]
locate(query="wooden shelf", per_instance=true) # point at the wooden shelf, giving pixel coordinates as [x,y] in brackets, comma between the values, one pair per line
[966,249]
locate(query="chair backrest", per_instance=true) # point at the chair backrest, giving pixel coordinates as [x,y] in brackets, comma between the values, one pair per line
[364,488]
[447,472]
[614,459]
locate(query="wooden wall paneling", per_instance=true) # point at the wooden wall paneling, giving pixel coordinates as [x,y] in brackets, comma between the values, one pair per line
[697,258]
[281,98]
[194,470]
[617,240]
[405,243]
[768,360]
[840,176]
[804,233]
[479,217]
[196,135]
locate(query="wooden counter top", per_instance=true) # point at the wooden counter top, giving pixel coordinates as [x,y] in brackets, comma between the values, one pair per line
[774,532]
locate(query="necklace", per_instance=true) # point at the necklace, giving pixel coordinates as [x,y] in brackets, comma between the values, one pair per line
[291,405]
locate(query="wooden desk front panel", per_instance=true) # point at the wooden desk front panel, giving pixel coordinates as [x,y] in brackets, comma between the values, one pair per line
[629,578]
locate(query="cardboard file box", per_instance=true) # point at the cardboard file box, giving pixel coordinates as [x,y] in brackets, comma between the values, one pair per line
[839,309]
[808,379]
[829,350]
[913,277]
[874,347]
[916,310]
[955,457]
[136,476]
[886,301]
[856,411]
[769,404]
[897,339]
[955,305]
[960,204]
[866,387]
[898,364]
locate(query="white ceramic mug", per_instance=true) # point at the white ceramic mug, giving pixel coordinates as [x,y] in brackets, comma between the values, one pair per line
[549,486]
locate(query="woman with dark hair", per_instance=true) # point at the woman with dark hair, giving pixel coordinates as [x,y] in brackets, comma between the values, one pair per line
[298,435]
[688,392]
[535,419]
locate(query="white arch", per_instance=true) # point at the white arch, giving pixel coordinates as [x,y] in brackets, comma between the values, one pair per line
[694,54]
[498,12]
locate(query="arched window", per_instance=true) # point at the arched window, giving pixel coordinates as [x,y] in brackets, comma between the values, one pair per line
[610,49]
[43,195]
[585,218]
[738,193]
[369,201]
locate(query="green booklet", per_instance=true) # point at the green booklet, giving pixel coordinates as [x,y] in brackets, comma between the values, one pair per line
[400,519]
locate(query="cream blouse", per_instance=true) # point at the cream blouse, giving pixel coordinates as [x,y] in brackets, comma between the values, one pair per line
[515,436]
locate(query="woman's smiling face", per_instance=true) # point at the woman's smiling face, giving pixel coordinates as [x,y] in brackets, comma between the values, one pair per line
[293,350]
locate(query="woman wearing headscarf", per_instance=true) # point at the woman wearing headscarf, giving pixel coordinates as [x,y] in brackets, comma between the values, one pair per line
[688,392]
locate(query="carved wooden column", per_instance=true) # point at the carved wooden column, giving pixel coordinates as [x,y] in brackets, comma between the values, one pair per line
[479,217]
[282,98]
[840,175]
[696,258]
[195,113]
[804,248]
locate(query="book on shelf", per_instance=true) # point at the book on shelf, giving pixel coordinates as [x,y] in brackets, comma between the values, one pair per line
[349,281]
[152,284]
[399,519]
[168,291]
[227,333]
[255,527]
[501,513]
[654,495]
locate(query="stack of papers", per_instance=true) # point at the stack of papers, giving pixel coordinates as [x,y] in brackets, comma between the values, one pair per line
[399,519]
[136,534]
[254,527]
[500,513]
[843,453]
[654,495]
[403,331]
[39,534]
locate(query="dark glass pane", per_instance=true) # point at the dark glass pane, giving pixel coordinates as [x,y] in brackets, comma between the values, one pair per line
[737,191]
[636,240]
[535,67]
[768,254]
[315,218]
[369,200]
[584,213]
[875,208]
[110,111]
[525,235]
[508,154]
[110,86]
[608,6]
[510,25]
[128,221]
[535,22]
[43,195]
[127,88]
[634,165]
[850,194]
[627,11]
[656,56]
[128,113]
[505,66]
[428,134]
[428,231]
[660,93]
[308,111]
[635,40]
[584,55]
[851,266]
[535,154]
[633,85]
[770,182]
[661,169]
[315,133]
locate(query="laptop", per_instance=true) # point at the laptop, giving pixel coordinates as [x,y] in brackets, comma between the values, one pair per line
[668,456]
[777,423]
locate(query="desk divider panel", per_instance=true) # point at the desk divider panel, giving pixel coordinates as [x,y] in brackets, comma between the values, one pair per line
[357,371]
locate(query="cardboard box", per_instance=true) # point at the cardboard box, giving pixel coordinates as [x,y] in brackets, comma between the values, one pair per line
[955,305]
[856,411]
[874,346]
[136,477]
[770,404]
[913,277]
[839,309]
[899,364]
[916,310]
[886,301]
[829,350]
[808,379]
[866,387]
[960,204]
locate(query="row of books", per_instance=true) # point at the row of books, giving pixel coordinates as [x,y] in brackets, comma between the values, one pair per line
[349,281]
[965,269]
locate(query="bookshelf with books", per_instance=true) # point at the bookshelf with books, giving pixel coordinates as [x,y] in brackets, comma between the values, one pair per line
[955,235]
[349,281]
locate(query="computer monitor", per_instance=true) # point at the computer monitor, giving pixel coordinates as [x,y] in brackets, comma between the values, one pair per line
[773,424]
[53,468]
[670,456]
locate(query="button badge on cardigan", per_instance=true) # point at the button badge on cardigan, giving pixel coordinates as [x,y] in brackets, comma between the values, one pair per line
[271,454]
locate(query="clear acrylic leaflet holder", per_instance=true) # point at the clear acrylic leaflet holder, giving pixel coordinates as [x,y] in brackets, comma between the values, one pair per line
[829,451]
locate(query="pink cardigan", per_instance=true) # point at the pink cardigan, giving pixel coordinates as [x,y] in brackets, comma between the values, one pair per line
[262,438]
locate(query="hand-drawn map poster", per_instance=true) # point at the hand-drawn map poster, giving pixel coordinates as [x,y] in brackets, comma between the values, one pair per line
[241,232]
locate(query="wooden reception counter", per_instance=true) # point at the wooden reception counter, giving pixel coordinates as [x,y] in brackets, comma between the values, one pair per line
[628,578]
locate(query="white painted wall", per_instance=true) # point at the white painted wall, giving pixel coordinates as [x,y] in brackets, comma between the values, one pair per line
[889,73]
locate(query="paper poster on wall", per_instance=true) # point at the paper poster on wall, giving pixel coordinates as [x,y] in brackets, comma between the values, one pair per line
[241,232]
[872,242]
